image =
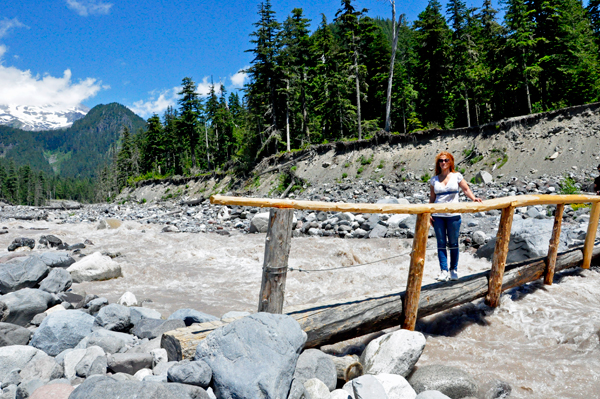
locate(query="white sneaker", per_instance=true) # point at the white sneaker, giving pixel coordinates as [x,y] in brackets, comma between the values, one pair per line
[443,276]
[453,275]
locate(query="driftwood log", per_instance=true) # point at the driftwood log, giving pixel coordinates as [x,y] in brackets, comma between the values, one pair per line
[335,321]
[39,216]
[347,367]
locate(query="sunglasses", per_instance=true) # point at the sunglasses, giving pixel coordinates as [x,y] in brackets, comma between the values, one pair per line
[443,160]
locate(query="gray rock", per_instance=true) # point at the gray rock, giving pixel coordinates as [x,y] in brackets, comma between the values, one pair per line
[62,330]
[17,357]
[129,363]
[70,360]
[396,386]
[315,389]
[58,280]
[341,394]
[12,334]
[93,362]
[4,311]
[529,238]
[387,201]
[367,387]
[12,378]
[114,317]
[378,231]
[10,392]
[96,304]
[298,391]
[484,177]
[448,380]
[56,259]
[259,223]
[50,240]
[408,223]
[22,274]
[109,341]
[495,389]
[21,242]
[42,368]
[191,316]
[24,304]
[393,353]
[193,373]
[38,318]
[431,395]
[107,387]
[313,363]
[253,357]
[145,346]
[139,313]
[152,328]
[27,388]
[479,237]
[163,368]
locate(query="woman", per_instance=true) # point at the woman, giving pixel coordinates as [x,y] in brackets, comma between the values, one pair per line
[444,189]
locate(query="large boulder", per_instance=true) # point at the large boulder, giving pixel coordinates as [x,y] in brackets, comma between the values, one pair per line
[53,391]
[313,363]
[193,373]
[191,316]
[23,305]
[396,386]
[17,357]
[114,317]
[94,267]
[56,259]
[368,387]
[62,330]
[12,334]
[110,341]
[107,387]
[19,274]
[450,381]
[253,357]
[529,238]
[139,313]
[50,240]
[41,367]
[393,353]
[316,389]
[58,280]
[93,362]
[153,328]
[259,223]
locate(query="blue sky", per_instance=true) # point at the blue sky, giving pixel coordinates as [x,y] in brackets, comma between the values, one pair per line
[136,53]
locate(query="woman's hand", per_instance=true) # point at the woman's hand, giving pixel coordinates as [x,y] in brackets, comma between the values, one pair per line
[476,199]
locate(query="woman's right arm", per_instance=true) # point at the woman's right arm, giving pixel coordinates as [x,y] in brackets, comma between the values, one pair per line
[431,195]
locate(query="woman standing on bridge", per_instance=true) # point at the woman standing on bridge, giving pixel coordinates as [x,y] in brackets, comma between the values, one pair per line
[444,189]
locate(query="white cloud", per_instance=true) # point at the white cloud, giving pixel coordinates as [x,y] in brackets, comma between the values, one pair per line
[157,103]
[23,88]
[89,7]
[7,24]
[3,50]
[238,79]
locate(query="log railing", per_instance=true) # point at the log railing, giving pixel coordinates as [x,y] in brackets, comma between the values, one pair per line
[280,225]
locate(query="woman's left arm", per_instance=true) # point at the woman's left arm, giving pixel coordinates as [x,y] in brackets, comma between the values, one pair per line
[467,190]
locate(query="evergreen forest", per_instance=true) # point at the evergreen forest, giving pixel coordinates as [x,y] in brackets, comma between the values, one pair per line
[353,76]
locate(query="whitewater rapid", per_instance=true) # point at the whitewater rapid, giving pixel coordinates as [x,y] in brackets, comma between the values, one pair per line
[543,340]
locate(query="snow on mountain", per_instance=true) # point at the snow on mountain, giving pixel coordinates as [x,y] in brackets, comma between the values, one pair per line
[35,118]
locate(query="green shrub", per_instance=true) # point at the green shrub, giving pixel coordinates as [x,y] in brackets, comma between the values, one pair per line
[381,164]
[347,165]
[462,170]
[344,175]
[366,161]
[567,186]
[476,159]
[425,178]
[360,170]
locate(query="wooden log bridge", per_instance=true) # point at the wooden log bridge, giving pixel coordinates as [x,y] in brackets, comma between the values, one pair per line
[336,321]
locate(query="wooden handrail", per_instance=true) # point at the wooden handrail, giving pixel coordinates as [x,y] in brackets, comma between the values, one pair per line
[457,207]
[273,285]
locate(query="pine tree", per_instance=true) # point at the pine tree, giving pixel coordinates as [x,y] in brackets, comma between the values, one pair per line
[190,109]
[124,159]
[433,51]
[154,149]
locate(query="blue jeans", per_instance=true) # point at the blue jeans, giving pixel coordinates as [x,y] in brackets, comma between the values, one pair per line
[447,227]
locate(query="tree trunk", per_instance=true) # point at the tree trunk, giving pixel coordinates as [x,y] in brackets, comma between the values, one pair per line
[305,129]
[467,106]
[287,115]
[207,151]
[526,83]
[388,104]
[357,95]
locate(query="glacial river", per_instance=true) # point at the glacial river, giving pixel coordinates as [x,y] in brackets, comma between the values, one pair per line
[543,340]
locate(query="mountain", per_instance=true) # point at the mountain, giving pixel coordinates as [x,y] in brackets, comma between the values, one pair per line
[34,118]
[77,151]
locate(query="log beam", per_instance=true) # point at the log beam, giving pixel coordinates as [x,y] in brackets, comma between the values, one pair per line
[415,273]
[277,253]
[553,246]
[332,322]
[499,260]
[590,237]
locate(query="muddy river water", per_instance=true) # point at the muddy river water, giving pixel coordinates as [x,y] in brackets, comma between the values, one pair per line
[543,340]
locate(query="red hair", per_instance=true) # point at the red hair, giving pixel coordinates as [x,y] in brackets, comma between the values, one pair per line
[438,170]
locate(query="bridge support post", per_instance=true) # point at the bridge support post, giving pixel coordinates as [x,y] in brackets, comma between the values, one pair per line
[410,306]
[277,253]
[553,247]
[499,260]
[590,237]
